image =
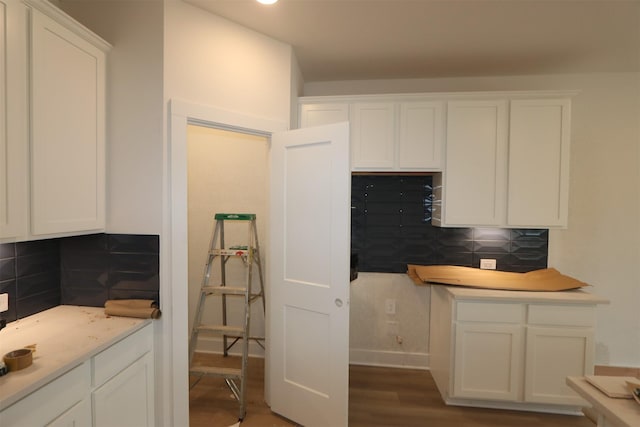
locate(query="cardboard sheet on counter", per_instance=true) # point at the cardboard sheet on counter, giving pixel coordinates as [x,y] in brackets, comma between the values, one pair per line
[545,280]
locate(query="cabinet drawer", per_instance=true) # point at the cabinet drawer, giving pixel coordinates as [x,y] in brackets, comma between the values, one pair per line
[50,401]
[122,354]
[489,312]
[561,315]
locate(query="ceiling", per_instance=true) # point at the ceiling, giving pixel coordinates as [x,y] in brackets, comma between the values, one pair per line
[386,39]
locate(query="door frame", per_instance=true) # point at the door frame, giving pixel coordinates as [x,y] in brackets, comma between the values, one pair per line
[173,359]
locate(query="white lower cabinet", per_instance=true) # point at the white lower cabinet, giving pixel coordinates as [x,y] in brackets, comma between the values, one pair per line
[113,388]
[54,403]
[130,392]
[488,358]
[77,416]
[511,353]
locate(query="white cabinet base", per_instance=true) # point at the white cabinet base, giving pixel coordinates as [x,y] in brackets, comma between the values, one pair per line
[511,349]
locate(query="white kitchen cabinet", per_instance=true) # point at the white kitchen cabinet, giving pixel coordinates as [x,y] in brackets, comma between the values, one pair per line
[388,134]
[511,350]
[489,350]
[123,379]
[472,189]
[52,105]
[67,129]
[515,178]
[54,402]
[539,137]
[14,137]
[373,130]
[78,415]
[323,114]
[421,136]
[552,330]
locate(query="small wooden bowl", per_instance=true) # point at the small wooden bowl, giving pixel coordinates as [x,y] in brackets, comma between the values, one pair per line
[18,359]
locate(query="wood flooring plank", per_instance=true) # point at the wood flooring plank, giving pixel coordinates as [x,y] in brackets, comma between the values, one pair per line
[378,397]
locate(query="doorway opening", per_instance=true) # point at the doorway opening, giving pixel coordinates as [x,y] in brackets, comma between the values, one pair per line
[227,172]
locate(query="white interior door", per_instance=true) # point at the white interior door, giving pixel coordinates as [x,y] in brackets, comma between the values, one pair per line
[308,318]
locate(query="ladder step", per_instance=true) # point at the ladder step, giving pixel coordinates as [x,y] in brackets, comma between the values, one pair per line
[230,252]
[222,329]
[224,290]
[235,216]
[216,371]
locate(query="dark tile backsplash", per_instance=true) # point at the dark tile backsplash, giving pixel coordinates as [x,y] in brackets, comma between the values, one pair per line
[99,267]
[30,274]
[79,270]
[391,227]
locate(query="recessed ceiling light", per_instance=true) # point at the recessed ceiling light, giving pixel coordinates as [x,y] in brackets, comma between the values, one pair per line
[267,1]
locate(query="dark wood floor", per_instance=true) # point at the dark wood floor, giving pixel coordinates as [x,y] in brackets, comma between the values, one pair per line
[377,397]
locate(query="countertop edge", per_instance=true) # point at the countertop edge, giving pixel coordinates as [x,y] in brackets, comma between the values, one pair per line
[577,296]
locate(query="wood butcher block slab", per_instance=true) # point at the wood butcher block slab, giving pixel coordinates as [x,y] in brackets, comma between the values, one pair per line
[545,280]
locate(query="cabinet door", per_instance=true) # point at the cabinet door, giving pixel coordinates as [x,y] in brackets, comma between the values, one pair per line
[373,136]
[13,119]
[552,355]
[475,173]
[488,361]
[67,130]
[78,415]
[51,401]
[421,136]
[539,163]
[323,114]
[127,398]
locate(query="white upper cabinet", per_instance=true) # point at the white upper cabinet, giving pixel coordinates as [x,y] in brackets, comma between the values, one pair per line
[14,136]
[473,188]
[52,105]
[388,133]
[323,114]
[539,162]
[421,135]
[373,130]
[67,130]
[501,158]
[507,164]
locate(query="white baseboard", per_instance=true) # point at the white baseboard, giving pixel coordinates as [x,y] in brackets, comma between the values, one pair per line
[390,359]
[214,345]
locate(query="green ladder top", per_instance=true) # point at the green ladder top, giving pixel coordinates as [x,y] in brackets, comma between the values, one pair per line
[235,217]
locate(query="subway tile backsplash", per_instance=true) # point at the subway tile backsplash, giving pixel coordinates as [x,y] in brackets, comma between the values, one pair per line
[79,270]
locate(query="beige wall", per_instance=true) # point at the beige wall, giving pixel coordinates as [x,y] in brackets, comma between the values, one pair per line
[372,341]
[602,244]
[227,174]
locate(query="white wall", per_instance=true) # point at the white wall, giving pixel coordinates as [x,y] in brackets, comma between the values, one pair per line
[228,173]
[134,109]
[602,244]
[213,62]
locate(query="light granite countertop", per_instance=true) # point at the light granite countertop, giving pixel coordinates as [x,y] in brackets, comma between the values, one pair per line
[65,337]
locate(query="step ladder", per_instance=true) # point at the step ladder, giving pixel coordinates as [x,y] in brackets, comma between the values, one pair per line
[249,255]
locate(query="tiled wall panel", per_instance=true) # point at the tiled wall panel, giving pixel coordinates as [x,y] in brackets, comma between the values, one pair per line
[30,274]
[391,227]
[79,270]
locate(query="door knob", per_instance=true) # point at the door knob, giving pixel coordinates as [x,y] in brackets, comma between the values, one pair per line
[338,302]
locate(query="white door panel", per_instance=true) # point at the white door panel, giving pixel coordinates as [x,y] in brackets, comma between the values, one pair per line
[309,275]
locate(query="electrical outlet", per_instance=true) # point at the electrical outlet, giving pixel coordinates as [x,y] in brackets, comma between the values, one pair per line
[487,264]
[390,306]
[4,302]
